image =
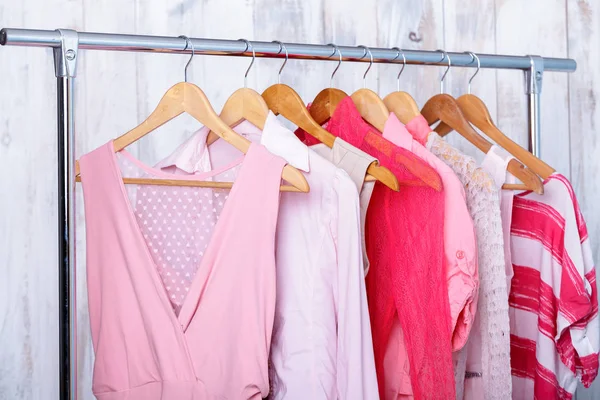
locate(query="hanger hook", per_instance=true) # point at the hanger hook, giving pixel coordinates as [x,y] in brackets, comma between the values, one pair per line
[400,52]
[281,47]
[336,49]
[474,57]
[188,43]
[367,51]
[446,55]
[248,46]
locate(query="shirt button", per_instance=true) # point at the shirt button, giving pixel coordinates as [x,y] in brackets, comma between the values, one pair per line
[460,254]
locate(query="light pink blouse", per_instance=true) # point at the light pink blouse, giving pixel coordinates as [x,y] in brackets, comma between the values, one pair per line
[460,247]
[322,346]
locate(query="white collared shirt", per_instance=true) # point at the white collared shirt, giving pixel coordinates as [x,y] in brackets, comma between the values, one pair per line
[355,162]
[321,345]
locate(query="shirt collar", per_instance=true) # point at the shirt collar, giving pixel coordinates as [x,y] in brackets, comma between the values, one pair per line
[396,132]
[193,155]
[282,142]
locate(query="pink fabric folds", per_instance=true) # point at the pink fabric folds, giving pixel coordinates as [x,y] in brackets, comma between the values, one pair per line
[459,236]
[145,349]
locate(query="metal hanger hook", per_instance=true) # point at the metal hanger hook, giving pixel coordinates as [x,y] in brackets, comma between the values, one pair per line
[281,47]
[336,49]
[367,51]
[400,52]
[248,46]
[188,43]
[446,55]
[474,57]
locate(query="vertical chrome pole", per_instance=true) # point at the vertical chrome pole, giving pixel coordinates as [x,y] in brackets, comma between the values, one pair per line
[534,124]
[65,59]
[533,88]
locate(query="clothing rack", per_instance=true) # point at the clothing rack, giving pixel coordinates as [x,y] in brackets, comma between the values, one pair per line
[66,45]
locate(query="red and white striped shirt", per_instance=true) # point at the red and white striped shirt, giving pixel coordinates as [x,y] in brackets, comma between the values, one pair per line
[555,330]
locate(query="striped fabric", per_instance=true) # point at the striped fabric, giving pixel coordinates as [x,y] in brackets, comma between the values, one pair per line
[555,330]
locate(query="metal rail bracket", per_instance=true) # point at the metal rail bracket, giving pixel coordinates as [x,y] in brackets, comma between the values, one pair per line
[534,75]
[65,56]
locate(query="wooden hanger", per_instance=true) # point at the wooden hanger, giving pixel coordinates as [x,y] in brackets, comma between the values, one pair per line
[400,103]
[324,105]
[478,114]
[284,100]
[443,107]
[371,107]
[189,98]
[369,104]
[325,112]
[244,104]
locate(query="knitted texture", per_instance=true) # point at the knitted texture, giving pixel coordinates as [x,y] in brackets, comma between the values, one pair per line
[492,321]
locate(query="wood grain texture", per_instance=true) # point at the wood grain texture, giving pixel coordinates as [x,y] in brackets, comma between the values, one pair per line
[106,95]
[534,27]
[584,124]
[471,31]
[343,28]
[115,91]
[414,25]
[299,22]
[28,230]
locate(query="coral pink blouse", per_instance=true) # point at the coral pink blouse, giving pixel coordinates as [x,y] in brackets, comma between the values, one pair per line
[407,279]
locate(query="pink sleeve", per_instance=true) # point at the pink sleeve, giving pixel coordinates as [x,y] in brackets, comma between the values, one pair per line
[578,336]
[419,129]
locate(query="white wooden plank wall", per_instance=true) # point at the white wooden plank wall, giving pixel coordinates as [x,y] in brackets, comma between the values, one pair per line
[116,90]
[583,44]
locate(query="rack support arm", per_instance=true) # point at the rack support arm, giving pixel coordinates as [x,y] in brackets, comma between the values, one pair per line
[533,88]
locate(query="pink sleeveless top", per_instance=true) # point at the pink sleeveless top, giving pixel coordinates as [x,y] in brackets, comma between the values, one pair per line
[181,280]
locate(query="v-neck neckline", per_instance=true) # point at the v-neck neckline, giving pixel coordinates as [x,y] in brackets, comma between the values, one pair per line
[185,314]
